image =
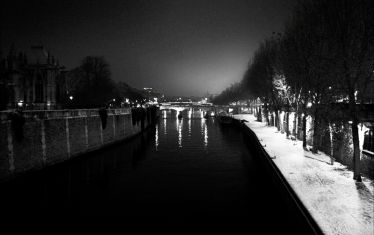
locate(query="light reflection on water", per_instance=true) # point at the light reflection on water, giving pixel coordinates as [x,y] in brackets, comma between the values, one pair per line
[183,128]
[205,135]
[156,137]
[204,132]
[189,127]
[180,126]
[165,131]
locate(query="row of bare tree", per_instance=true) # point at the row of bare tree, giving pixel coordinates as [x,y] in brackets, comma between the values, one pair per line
[324,57]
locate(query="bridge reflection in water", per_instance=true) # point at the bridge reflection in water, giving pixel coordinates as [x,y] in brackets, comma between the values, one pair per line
[189,166]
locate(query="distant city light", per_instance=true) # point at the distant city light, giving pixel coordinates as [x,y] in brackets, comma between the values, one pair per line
[20,103]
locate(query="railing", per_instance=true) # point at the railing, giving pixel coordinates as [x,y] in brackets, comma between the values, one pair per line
[53,114]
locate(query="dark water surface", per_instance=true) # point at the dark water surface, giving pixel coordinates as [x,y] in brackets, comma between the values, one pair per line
[189,167]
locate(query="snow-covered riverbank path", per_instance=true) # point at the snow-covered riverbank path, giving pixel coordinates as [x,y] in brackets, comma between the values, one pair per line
[337,203]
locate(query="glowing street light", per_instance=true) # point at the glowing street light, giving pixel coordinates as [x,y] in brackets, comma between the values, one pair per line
[20,103]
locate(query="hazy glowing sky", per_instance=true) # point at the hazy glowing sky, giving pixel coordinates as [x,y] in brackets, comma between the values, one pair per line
[177,47]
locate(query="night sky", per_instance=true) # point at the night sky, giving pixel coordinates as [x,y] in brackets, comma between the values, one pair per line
[177,47]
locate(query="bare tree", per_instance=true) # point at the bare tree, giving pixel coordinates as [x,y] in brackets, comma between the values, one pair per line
[91,82]
[258,79]
[351,33]
[307,63]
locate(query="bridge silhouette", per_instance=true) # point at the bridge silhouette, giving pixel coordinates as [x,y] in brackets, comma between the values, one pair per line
[189,108]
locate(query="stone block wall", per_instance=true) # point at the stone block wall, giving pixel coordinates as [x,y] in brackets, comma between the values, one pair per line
[55,140]
[94,131]
[49,139]
[28,152]
[4,152]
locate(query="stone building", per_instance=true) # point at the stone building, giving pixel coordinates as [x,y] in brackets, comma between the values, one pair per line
[31,80]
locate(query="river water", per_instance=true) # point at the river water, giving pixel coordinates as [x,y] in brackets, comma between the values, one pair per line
[177,168]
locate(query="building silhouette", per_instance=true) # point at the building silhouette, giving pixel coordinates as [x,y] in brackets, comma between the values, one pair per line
[31,80]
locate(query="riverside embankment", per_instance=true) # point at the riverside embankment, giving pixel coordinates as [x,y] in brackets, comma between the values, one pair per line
[337,203]
[36,139]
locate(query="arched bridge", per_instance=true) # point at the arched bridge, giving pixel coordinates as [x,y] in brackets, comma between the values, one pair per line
[188,109]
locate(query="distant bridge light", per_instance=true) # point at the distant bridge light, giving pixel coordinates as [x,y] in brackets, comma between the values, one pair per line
[20,103]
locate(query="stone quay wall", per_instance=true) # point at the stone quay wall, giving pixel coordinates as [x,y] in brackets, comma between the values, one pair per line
[44,138]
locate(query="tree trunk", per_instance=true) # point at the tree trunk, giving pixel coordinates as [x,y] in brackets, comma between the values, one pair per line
[287,124]
[316,132]
[356,151]
[259,115]
[356,143]
[277,119]
[331,132]
[266,113]
[294,124]
[304,131]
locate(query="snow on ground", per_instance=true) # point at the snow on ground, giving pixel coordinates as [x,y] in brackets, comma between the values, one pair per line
[337,203]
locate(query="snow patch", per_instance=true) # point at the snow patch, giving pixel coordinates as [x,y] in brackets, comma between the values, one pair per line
[337,203]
